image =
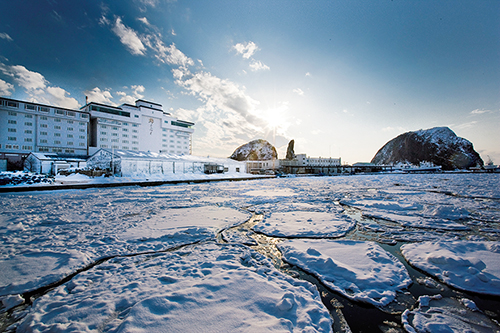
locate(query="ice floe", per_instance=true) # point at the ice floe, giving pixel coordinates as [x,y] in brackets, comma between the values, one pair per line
[466,265]
[201,288]
[439,314]
[306,224]
[361,271]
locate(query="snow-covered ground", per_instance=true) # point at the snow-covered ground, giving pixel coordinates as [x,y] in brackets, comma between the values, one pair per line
[182,257]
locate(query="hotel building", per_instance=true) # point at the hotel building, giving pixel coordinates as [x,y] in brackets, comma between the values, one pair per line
[32,127]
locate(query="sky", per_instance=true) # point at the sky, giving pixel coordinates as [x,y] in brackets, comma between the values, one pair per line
[341,78]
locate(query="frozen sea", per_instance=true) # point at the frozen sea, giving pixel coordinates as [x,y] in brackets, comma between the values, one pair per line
[368,253]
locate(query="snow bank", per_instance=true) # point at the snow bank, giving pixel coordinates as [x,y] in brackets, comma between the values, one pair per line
[416,221]
[438,314]
[306,224]
[362,271]
[466,265]
[203,288]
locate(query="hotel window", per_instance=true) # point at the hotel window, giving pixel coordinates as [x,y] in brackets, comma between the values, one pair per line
[102,126]
[57,134]
[57,142]
[28,132]
[43,140]
[60,112]
[30,107]
[114,134]
[70,128]
[43,118]
[83,115]
[43,125]
[82,144]
[43,109]
[12,121]
[125,147]
[43,133]
[70,121]
[70,135]
[57,120]
[81,124]
[82,137]
[12,104]
[28,116]
[11,138]
[28,140]
[12,130]
[70,143]
[124,141]
[71,114]
[27,147]
[104,133]
[57,127]
[82,129]
[28,124]
[125,129]
[114,128]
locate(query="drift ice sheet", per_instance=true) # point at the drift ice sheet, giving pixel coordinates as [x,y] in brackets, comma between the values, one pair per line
[201,288]
[362,271]
[306,224]
[466,265]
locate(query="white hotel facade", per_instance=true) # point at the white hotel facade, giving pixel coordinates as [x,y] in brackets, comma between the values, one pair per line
[140,127]
[27,127]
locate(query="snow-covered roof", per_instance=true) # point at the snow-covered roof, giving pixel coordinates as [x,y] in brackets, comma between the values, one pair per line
[54,157]
[147,155]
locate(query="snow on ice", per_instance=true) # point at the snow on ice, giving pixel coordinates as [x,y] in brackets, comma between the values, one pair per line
[466,265]
[178,257]
[362,271]
[438,314]
[204,288]
[306,224]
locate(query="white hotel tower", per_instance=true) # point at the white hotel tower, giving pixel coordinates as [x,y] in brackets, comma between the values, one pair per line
[141,127]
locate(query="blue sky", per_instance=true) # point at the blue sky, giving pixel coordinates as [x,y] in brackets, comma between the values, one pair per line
[340,77]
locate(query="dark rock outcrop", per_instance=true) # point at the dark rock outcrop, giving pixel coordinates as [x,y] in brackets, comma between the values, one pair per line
[290,153]
[255,150]
[439,145]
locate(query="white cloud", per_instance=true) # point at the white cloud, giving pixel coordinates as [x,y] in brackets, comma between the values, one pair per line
[308,74]
[137,91]
[393,129]
[477,111]
[246,49]
[37,87]
[5,36]
[258,66]
[6,88]
[298,91]
[144,20]
[31,81]
[129,38]
[465,125]
[99,96]
[60,97]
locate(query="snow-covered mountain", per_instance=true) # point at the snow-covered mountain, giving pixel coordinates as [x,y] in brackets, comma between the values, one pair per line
[439,145]
[255,150]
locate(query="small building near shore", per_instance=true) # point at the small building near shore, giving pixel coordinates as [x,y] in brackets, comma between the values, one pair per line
[51,163]
[303,164]
[129,163]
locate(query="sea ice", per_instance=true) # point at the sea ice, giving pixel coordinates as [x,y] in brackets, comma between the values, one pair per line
[362,271]
[438,314]
[200,288]
[306,224]
[466,265]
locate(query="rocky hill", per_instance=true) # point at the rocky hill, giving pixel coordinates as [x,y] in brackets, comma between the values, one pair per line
[439,145]
[255,150]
